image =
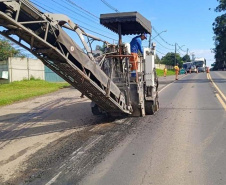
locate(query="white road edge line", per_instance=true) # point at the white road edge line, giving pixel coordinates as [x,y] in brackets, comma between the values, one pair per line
[170,84]
[53,179]
[165,87]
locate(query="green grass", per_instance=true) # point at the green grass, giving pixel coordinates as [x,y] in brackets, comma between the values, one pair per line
[169,72]
[21,90]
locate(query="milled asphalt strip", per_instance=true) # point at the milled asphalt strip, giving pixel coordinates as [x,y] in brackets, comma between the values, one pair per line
[84,149]
[75,155]
[219,97]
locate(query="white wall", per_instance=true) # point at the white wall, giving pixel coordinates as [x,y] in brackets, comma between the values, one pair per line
[162,66]
[25,68]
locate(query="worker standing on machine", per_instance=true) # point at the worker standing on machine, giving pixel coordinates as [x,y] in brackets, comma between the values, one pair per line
[136,45]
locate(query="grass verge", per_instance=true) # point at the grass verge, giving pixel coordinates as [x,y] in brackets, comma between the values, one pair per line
[21,90]
[169,72]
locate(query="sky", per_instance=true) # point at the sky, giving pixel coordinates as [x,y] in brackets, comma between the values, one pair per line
[188,22]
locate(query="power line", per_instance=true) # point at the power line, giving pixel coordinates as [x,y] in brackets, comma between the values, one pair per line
[72,10]
[165,41]
[160,52]
[93,27]
[40,7]
[116,10]
[82,9]
[98,33]
[162,45]
[86,18]
[181,49]
[111,7]
[81,21]
[168,43]
[171,49]
[161,36]
[179,53]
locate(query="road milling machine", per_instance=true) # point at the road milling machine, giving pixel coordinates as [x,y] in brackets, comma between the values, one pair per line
[107,79]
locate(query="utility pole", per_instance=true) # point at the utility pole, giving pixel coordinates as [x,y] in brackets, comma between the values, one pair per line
[149,45]
[193,57]
[187,51]
[175,54]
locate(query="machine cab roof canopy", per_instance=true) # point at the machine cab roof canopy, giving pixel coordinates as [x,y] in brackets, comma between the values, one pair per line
[131,23]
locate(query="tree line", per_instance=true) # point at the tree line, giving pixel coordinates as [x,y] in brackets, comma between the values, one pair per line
[171,59]
[219,28]
[7,50]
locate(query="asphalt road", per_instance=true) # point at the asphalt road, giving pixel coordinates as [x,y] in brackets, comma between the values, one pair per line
[55,139]
[184,143]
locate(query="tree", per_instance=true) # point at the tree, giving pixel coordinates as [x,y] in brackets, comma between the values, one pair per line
[219,28]
[186,58]
[169,59]
[7,50]
[157,60]
[222,6]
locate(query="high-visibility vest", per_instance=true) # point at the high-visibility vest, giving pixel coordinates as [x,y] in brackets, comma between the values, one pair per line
[176,68]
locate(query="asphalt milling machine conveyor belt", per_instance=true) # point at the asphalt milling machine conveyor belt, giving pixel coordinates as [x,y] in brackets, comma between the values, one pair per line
[43,35]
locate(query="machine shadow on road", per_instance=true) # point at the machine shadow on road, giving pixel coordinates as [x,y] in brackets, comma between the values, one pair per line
[49,118]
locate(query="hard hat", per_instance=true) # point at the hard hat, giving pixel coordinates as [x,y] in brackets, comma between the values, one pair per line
[145,35]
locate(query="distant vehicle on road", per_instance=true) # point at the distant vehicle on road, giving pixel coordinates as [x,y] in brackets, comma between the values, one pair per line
[200,64]
[193,68]
[201,69]
[187,66]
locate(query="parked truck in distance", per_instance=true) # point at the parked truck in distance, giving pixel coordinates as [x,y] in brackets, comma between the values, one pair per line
[200,64]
